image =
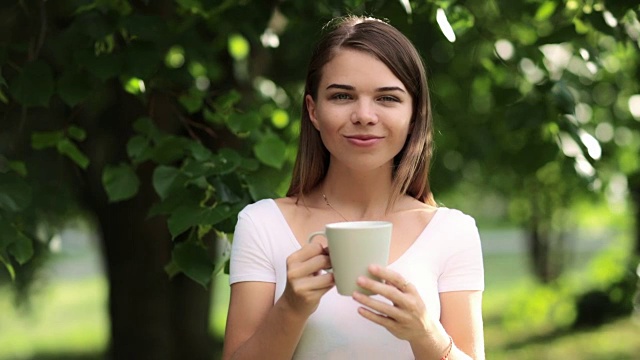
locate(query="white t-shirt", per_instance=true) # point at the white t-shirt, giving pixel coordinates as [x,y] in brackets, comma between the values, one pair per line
[446,256]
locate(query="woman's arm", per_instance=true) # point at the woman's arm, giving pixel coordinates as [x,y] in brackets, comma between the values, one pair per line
[255,325]
[259,329]
[461,320]
[461,317]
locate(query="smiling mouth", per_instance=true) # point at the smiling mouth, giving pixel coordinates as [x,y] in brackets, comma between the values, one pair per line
[364,140]
[363,137]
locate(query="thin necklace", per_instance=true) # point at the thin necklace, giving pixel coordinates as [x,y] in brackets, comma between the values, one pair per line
[332,208]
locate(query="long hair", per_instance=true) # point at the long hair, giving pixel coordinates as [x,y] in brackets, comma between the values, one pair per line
[387,44]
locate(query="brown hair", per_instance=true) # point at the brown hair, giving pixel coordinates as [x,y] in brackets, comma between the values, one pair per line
[386,43]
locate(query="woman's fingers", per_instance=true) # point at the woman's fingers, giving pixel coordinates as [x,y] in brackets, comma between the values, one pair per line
[391,285]
[390,277]
[403,312]
[307,261]
[306,283]
[379,307]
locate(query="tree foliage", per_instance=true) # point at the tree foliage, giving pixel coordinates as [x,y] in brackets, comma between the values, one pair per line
[520,82]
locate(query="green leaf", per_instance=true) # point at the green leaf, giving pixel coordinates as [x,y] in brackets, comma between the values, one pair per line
[227,101]
[19,167]
[145,126]
[73,87]
[164,178]
[224,192]
[545,11]
[243,123]
[194,169]
[223,251]
[76,133]
[170,149]
[3,97]
[15,193]
[8,234]
[261,185]
[21,249]
[216,214]
[138,149]
[172,269]
[562,97]
[4,259]
[249,164]
[194,262]
[227,160]
[461,19]
[213,117]
[270,150]
[34,85]
[69,149]
[46,139]
[120,182]
[185,217]
[104,66]
[199,151]
[179,196]
[192,101]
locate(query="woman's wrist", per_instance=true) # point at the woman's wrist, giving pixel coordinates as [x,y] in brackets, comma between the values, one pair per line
[437,347]
[448,351]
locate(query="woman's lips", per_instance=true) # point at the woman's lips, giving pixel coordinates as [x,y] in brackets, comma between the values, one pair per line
[363,140]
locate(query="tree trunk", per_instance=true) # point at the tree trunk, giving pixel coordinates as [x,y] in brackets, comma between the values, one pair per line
[539,253]
[152,316]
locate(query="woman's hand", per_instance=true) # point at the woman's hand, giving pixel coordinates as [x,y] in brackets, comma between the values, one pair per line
[406,318]
[306,283]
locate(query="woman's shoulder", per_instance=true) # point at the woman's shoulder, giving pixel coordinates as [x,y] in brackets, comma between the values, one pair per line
[454,214]
[455,223]
[259,207]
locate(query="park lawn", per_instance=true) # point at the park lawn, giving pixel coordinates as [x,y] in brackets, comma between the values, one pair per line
[616,340]
[64,317]
[68,320]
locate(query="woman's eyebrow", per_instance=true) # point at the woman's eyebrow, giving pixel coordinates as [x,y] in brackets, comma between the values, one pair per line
[390,88]
[341,86]
[380,89]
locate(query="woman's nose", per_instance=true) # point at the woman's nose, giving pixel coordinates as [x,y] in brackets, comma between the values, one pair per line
[364,113]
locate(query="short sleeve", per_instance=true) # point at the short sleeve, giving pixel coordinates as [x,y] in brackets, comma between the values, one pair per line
[463,269]
[250,259]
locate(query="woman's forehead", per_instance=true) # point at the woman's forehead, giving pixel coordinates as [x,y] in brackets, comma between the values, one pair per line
[355,67]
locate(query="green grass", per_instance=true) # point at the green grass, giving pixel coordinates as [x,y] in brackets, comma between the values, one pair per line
[62,317]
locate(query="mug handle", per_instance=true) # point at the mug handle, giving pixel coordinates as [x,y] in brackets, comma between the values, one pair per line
[317,233]
[310,238]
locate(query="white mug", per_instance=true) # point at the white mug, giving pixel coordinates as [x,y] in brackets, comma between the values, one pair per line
[353,246]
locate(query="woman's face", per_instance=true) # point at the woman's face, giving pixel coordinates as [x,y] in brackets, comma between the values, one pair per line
[362,111]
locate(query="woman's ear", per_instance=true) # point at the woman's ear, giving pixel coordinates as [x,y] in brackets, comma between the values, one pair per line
[311,109]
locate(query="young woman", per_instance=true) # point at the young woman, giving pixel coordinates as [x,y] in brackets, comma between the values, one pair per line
[365,149]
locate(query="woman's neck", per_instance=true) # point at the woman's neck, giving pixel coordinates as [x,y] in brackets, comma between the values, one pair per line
[357,195]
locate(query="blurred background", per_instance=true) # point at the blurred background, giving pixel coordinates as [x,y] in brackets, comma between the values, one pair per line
[132,133]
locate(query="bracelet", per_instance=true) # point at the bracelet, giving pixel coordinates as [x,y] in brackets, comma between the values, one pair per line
[446,355]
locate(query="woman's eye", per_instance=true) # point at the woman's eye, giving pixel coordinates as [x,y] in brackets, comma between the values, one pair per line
[388,98]
[341,96]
